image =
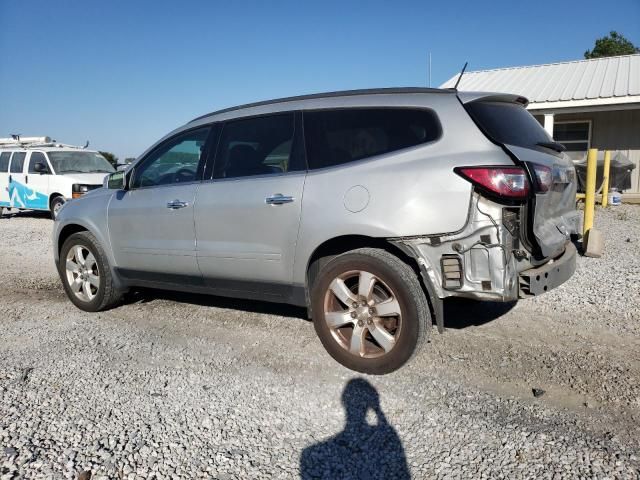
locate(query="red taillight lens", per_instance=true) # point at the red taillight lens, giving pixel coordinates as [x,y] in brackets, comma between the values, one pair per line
[544,177]
[509,182]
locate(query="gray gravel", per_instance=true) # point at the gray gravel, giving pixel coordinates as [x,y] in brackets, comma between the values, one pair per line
[179,386]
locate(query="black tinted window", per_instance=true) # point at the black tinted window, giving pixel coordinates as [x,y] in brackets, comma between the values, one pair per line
[4,161]
[175,161]
[36,157]
[17,162]
[341,136]
[508,123]
[256,146]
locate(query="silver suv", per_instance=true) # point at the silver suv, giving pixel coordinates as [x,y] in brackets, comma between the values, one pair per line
[366,207]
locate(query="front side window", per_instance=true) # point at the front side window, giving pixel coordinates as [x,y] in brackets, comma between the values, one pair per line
[256,146]
[17,162]
[573,135]
[174,162]
[4,161]
[36,157]
[79,162]
[335,137]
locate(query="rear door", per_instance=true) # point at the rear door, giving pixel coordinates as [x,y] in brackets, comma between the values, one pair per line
[17,188]
[247,215]
[552,212]
[4,178]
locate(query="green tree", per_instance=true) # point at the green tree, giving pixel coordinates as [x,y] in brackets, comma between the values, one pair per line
[113,160]
[612,45]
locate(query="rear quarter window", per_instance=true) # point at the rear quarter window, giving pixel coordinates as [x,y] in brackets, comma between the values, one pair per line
[4,161]
[508,123]
[336,137]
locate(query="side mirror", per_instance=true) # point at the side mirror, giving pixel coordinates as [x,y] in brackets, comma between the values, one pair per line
[117,181]
[41,168]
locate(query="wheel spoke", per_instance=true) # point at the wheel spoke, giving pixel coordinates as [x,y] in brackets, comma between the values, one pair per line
[338,319]
[340,290]
[90,261]
[72,266]
[384,338]
[388,308]
[365,284]
[76,284]
[94,280]
[79,255]
[356,345]
[86,288]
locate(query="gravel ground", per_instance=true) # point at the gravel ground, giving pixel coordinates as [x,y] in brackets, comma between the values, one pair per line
[184,386]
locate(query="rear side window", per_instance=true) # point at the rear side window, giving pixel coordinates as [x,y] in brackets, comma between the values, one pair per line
[335,137]
[256,146]
[4,161]
[36,157]
[17,162]
[508,123]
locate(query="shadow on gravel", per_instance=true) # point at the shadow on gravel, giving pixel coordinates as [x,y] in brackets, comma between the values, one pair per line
[361,450]
[464,313]
[7,214]
[253,306]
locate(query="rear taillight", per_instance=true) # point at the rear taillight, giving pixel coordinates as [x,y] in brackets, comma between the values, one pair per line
[544,177]
[507,182]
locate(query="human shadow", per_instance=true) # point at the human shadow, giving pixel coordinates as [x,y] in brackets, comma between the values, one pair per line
[362,450]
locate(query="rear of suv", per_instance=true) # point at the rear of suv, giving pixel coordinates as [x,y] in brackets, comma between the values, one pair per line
[366,207]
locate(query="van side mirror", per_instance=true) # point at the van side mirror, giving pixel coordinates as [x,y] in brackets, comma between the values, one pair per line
[41,168]
[117,181]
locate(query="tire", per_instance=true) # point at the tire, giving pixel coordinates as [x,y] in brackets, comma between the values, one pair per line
[101,296]
[56,205]
[387,339]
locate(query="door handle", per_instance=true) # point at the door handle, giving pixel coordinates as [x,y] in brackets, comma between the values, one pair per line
[278,199]
[176,204]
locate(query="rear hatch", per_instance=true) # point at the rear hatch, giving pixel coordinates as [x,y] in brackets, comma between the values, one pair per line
[551,211]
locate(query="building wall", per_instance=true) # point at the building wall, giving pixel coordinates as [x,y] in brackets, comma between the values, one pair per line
[616,130]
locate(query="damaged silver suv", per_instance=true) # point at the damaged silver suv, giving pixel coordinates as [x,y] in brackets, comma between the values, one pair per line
[366,207]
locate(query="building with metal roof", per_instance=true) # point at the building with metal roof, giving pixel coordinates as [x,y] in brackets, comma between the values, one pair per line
[583,104]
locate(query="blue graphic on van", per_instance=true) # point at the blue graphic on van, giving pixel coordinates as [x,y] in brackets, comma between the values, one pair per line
[21,196]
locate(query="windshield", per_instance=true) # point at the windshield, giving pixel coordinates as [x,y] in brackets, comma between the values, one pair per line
[79,162]
[509,124]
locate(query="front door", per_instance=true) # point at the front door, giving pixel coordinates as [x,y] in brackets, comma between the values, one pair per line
[151,224]
[17,188]
[37,183]
[4,178]
[247,215]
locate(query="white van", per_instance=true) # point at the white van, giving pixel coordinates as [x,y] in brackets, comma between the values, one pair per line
[39,174]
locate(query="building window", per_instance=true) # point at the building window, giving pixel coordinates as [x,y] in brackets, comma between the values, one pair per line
[576,136]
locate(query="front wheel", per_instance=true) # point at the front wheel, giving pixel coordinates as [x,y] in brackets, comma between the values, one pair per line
[86,275]
[369,310]
[56,205]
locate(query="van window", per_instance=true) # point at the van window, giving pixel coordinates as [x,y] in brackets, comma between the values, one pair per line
[17,162]
[255,146]
[4,161]
[36,157]
[334,137]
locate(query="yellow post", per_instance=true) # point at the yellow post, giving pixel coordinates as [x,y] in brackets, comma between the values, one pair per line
[590,193]
[605,178]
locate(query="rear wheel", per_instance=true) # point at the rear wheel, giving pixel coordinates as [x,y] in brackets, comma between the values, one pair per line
[56,205]
[86,275]
[369,310]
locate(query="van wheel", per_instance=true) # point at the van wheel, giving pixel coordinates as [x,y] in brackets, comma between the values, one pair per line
[369,310]
[56,205]
[86,275]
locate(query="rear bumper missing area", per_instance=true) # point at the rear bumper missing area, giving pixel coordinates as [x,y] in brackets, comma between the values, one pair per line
[536,281]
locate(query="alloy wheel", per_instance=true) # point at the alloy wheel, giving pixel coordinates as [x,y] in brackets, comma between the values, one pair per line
[82,272]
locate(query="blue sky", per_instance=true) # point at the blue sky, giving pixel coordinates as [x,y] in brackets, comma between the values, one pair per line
[123,73]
